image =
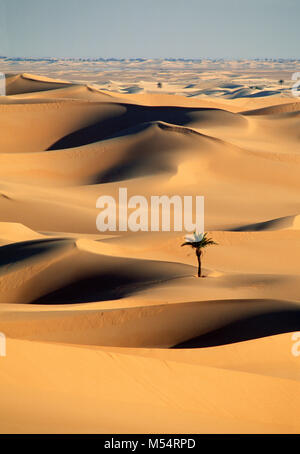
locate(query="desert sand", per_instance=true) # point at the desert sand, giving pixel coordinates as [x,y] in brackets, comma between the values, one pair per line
[113,332]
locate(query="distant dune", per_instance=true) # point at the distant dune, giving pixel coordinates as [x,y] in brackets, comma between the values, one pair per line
[114,333]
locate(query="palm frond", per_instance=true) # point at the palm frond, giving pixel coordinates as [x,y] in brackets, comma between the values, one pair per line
[203,243]
[207,242]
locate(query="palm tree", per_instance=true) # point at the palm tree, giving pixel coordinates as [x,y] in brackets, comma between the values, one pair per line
[198,241]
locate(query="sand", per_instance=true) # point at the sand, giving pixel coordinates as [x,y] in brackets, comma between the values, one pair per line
[113,332]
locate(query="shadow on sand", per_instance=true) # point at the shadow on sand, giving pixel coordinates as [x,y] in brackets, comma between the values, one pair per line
[262,325]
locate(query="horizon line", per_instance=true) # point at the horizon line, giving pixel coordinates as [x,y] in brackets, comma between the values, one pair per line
[197,59]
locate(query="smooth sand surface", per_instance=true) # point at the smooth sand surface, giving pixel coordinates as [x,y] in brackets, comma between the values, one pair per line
[113,332]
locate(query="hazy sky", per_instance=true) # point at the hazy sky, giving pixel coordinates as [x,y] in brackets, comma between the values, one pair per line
[150,28]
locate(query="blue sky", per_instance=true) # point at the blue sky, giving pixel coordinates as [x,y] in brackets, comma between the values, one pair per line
[150,29]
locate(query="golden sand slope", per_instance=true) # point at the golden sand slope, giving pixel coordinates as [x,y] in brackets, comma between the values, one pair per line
[91,318]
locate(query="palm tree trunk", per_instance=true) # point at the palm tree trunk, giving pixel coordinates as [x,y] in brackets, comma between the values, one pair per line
[198,253]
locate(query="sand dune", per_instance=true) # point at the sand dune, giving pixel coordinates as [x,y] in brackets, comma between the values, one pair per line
[28,83]
[276,110]
[286,222]
[180,396]
[113,332]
